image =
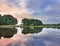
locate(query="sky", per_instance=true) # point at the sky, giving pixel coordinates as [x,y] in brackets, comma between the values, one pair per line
[48,11]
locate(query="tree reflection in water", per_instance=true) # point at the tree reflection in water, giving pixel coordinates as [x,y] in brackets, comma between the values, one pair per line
[27,30]
[7,32]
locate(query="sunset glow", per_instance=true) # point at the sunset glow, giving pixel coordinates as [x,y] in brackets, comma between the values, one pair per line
[19,13]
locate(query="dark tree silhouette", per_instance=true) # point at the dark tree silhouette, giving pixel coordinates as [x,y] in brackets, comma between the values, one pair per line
[34,22]
[7,20]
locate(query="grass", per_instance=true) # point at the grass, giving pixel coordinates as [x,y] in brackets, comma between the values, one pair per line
[9,26]
[41,26]
[44,26]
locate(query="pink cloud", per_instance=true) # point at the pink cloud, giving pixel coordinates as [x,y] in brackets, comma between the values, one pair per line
[19,13]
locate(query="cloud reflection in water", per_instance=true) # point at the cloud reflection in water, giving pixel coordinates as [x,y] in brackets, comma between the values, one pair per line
[44,38]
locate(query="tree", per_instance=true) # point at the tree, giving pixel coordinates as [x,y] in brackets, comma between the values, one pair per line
[0,19]
[25,22]
[7,20]
[33,22]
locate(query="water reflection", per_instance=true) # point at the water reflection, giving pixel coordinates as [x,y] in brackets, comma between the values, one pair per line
[14,44]
[47,37]
[7,32]
[44,37]
[28,30]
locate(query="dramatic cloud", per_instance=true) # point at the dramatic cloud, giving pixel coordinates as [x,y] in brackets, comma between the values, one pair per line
[14,8]
[46,10]
[49,10]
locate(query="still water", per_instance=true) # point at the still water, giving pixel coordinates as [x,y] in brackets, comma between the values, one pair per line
[43,37]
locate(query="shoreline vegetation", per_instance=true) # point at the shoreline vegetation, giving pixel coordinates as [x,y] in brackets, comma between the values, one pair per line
[8,24]
[8,21]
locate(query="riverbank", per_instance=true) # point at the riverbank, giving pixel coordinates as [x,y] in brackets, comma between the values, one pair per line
[41,26]
[9,26]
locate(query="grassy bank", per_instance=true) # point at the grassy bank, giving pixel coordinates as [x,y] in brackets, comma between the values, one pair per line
[9,26]
[41,26]
[44,26]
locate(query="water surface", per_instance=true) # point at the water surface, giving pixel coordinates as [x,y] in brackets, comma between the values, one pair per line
[44,37]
